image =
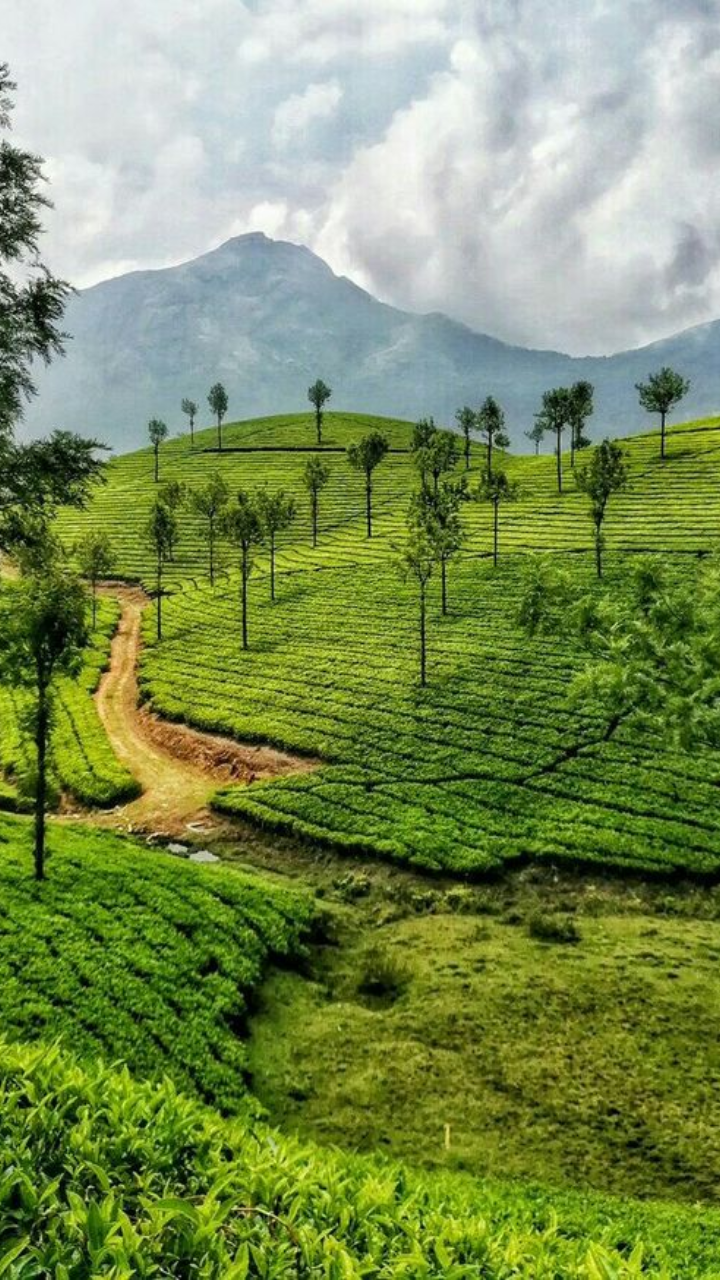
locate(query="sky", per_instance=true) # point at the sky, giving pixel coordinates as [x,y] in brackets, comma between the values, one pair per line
[545,171]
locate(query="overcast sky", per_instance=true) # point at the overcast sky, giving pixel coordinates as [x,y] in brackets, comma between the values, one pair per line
[545,170]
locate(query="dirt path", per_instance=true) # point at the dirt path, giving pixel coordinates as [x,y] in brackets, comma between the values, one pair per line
[178,768]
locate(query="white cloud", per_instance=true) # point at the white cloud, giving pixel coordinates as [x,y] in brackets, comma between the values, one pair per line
[295,114]
[319,32]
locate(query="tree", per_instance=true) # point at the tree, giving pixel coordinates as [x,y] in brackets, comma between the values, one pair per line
[318,395]
[218,401]
[491,424]
[366,456]
[497,488]
[242,527]
[209,503]
[536,434]
[580,406]
[466,421]
[606,474]
[436,514]
[554,416]
[417,562]
[190,408]
[661,393]
[38,477]
[42,635]
[423,436]
[162,533]
[315,476]
[434,452]
[276,512]
[157,432]
[96,560]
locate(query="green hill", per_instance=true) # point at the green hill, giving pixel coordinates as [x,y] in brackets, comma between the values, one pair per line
[106,1176]
[489,764]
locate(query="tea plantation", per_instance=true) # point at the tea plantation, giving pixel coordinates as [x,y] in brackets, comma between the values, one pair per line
[487,765]
[103,1175]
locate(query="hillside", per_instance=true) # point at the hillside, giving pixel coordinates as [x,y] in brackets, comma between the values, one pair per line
[152,1184]
[268,317]
[487,766]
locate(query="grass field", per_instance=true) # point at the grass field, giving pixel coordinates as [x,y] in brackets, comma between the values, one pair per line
[488,765]
[133,954]
[106,1176]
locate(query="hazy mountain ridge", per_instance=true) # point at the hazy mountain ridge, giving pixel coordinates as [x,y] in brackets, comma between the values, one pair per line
[267,317]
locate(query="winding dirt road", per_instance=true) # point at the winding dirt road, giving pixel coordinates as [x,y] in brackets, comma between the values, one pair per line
[178,768]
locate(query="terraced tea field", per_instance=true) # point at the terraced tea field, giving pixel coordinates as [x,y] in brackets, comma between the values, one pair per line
[489,764]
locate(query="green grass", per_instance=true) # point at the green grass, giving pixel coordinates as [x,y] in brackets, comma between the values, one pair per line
[137,955]
[584,1057]
[483,768]
[82,762]
[105,1176]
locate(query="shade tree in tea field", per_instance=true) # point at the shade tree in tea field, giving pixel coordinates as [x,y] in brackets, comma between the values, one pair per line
[365,456]
[43,634]
[535,436]
[496,489]
[416,563]
[189,408]
[318,395]
[96,560]
[465,419]
[604,475]
[554,417]
[242,526]
[161,532]
[315,476]
[490,422]
[218,402]
[276,512]
[436,516]
[661,393]
[580,409]
[209,503]
[158,432]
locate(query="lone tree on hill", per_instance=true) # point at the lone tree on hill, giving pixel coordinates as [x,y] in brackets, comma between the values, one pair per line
[497,488]
[276,512]
[366,456]
[42,635]
[580,409]
[465,419]
[661,393]
[242,527]
[417,562]
[605,475]
[315,476]
[96,559]
[437,516]
[38,477]
[318,395]
[157,432]
[218,401]
[491,424]
[554,416]
[535,434]
[162,534]
[209,503]
[190,408]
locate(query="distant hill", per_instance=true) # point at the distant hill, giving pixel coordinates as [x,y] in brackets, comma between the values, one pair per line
[267,317]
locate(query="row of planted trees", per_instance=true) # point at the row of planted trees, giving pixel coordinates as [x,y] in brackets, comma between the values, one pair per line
[218,401]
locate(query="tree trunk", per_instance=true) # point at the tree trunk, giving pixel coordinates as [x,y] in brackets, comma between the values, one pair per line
[489,455]
[443,584]
[598,550]
[318,424]
[467,453]
[244,575]
[572,448]
[496,505]
[219,433]
[94,603]
[423,680]
[558,452]
[537,448]
[192,432]
[159,598]
[662,432]
[157,464]
[314,519]
[272,564]
[368,505]
[211,543]
[41,735]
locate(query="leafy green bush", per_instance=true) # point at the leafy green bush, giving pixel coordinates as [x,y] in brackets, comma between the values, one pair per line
[100,1175]
[553,928]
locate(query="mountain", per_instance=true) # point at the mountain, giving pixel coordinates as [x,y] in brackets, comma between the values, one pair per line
[267,318]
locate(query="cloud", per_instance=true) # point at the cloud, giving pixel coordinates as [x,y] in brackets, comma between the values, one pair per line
[540,169]
[295,114]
